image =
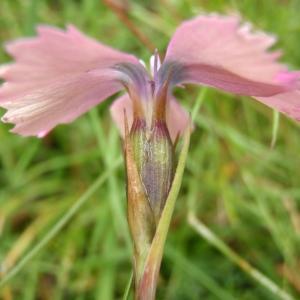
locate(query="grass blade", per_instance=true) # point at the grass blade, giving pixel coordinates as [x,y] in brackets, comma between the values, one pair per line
[60,224]
[209,236]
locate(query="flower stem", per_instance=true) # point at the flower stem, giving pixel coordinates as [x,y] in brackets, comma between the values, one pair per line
[146,288]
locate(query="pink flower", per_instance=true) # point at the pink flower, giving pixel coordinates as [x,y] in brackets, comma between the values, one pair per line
[59,75]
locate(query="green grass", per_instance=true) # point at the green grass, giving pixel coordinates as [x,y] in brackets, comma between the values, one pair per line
[246,192]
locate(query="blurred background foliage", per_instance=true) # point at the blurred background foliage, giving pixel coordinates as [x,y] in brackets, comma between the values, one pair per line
[241,188]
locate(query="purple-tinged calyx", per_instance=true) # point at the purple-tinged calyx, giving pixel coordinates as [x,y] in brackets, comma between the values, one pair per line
[153,151]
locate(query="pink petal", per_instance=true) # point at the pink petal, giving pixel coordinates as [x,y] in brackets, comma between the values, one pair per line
[287,103]
[59,102]
[177,117]
[56,77]
[216,51]
[120,106]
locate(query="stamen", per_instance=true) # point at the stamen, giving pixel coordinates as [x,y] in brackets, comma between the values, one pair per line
[155,64]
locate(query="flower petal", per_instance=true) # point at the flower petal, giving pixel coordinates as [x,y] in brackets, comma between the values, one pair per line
[177,117]
[56,77]
[216,51]
[287,103]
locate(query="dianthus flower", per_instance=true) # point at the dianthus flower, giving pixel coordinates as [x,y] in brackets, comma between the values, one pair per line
[59,75]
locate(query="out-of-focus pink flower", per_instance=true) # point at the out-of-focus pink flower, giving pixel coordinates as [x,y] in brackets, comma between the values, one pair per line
[59,75]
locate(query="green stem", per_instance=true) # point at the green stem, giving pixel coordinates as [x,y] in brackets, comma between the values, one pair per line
[275,127]
[127,290]
[198,103]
